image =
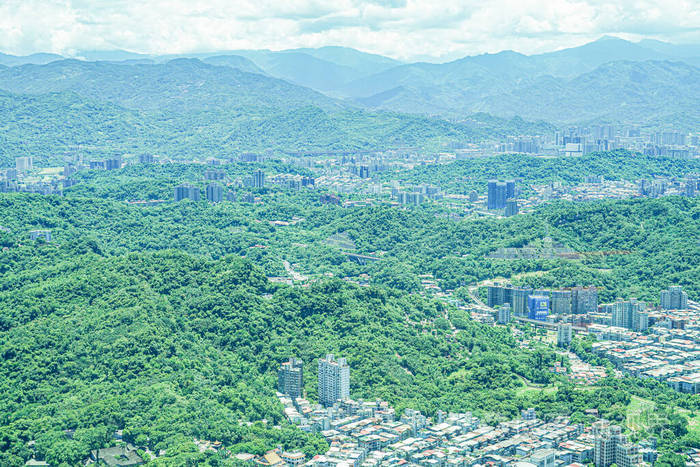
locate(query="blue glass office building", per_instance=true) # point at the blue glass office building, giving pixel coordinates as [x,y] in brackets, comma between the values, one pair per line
[537,307]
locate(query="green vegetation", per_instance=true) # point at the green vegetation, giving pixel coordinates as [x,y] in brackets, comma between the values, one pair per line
[166,344]
[160,320]
[472,174]
[189,109]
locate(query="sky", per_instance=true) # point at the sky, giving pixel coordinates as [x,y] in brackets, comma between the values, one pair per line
[408,30]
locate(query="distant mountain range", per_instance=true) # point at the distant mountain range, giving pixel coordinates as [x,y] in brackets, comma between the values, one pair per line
[181,84]
[186,108]
[608,80]
[556,86]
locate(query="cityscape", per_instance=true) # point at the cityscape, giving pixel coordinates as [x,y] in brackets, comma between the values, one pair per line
[349,234]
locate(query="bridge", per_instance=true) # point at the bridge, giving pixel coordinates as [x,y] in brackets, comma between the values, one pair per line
[361,259]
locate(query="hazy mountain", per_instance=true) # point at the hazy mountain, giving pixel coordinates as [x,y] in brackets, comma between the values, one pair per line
[639,91]
[304,69]
[37,59]
[234,61]
[110,55]
[180,85]
[577,60]
[442,88]
[615,90]
[362,62]
[493,82]
[503,67]
[189,109]
[53,125]
[672,50]
[325,69]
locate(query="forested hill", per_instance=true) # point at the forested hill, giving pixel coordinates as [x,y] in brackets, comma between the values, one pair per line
[466,175]
[178,85]
[168,346]
[188,109]
[148,319]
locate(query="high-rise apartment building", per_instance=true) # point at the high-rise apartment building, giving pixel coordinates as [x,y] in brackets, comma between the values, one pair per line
[498,295]
[612,447]
[496,195]
[674,298]
[333,380]
[520,295]
[187,191]
[258,179]
[511,208]
[584,300]
[510,189]
[627,455]
[290,378]
[113,163]
[215,192]
[560,301]
[516,297]
[146,158]
[625,314]
[24,164]
[213,174]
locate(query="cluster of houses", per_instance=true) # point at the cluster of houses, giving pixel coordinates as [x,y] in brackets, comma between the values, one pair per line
[362,433]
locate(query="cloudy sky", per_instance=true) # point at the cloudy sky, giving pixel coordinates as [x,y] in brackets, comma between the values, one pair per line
[403,29]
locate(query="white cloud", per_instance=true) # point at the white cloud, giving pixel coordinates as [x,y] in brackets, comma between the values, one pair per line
[406,29]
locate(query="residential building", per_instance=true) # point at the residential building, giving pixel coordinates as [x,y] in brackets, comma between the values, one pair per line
[560,301]
[511,207]
[510,189]
[113,163]
[504,314]
[215,192]
[24,164]
[528,414]
[333,380]
[258,179]
[213,174]
[640,321]
[290,378]
[543,458]
[43,234]
[498,295]
[146,158]
[292,459]
[686,383]
[625,313]
[69,169]
[250,157]
[627,455]
[612,447]
[584,300]
[564,334]
[519,302]
[674,298]
[187,191]
[496,197]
